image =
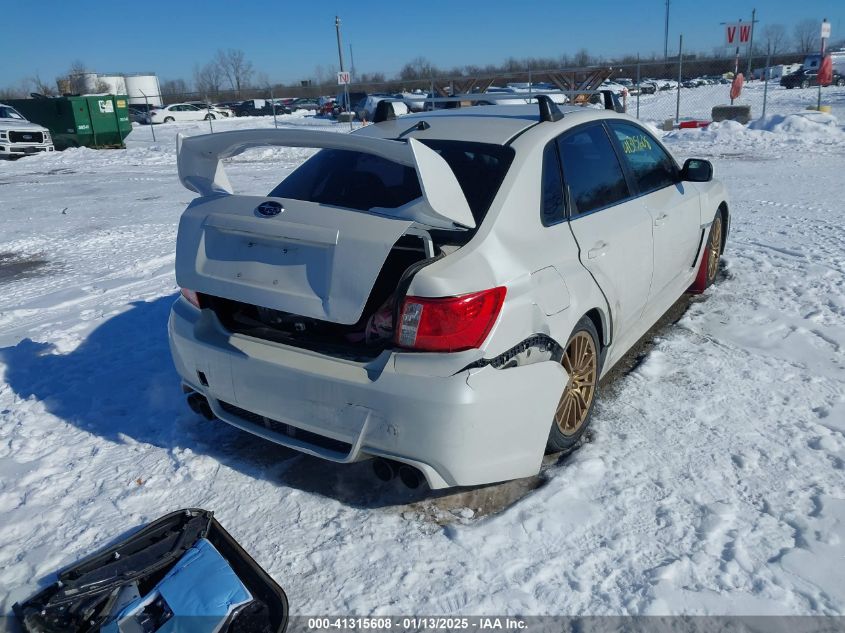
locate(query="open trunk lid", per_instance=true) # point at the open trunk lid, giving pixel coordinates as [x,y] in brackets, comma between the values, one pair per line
[310,259]
[305,258]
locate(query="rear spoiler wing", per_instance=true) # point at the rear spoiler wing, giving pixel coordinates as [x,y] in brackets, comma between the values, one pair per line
[443,204]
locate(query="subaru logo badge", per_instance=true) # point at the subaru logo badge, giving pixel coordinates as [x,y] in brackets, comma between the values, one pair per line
[269,209]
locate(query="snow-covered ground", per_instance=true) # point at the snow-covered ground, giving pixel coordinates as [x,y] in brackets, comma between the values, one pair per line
[697,103]
[714,483]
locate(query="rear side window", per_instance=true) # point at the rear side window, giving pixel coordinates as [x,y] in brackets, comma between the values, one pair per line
[651,167]
[362,181]
[591,170]
[480,169]
[552,187]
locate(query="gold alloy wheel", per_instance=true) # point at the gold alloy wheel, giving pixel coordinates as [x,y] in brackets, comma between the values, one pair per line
[580,361]
[715,248]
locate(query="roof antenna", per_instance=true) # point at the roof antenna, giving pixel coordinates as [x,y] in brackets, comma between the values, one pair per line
[421,126]
[548,109]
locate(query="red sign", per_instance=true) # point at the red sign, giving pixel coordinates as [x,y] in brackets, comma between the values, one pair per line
[826,71]
[736,86]
[737,33]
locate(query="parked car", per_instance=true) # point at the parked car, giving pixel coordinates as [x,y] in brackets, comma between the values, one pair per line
[803,78]
[178,112]
[327,106]
[428,290]
[228,105]
[217,112]
[304,104]
[136,115]
[260,107]
[19,137]
[342,104]
[614,87]
[648,87]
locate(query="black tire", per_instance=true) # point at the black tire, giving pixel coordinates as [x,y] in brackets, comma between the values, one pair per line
[563,436]
[840,82]
[210,117]
[805,84]
[715,242]
[168,119]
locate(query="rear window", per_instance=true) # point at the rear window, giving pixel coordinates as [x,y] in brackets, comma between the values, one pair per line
[362,181]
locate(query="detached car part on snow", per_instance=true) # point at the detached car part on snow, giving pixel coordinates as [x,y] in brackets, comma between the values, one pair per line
[443,290]
[182,572]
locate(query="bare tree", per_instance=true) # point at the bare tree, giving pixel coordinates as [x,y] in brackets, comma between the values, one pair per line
[74,80]
[807,36]
[21,91]
[775,34]
[207,79]
[237,70]
[582,58]
[173,88]
[42,87]
[418,68]
[373,78]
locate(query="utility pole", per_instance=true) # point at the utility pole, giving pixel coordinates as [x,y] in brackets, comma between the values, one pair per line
[751,42]
[339,45]
[347,106]
[666,34]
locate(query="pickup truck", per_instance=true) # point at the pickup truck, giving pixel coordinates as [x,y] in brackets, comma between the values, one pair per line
[19,137]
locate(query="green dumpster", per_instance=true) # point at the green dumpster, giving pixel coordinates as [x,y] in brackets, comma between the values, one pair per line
[92,121]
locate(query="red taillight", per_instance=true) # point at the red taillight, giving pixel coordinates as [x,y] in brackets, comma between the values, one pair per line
[192,297]
[448,324]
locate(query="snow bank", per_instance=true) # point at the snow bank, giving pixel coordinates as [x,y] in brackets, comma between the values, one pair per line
[812,132]
[807,124]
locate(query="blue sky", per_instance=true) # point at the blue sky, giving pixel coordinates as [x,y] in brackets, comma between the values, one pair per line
[287,40]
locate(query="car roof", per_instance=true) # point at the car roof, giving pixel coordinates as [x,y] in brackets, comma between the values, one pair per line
[496,124]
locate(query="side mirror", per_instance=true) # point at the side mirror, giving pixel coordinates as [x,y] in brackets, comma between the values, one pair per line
[697,170]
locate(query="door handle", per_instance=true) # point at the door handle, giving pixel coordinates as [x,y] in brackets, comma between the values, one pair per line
[598,249]
[660,220]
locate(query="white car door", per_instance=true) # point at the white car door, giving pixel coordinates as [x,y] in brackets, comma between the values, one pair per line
[174,112]
[613,229]
[193,113]
[674,207]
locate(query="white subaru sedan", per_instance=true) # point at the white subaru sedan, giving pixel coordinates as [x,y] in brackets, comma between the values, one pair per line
[439,291]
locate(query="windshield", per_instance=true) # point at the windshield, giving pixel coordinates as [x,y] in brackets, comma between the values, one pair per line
[10,113]
[363,181]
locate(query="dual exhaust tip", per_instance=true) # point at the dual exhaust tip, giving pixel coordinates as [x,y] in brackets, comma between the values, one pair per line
[387,470]
[199,404]
[384,469]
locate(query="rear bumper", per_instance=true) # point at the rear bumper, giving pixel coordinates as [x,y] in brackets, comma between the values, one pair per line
[475,427]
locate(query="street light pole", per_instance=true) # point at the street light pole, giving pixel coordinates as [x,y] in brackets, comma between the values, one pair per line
[666,34]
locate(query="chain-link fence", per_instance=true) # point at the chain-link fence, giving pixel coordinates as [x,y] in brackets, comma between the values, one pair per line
[681,88]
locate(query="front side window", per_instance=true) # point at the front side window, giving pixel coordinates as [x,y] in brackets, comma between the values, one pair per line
[591,170]
[651,167]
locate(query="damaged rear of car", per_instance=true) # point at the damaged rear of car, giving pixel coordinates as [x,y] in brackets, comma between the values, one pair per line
[326,316]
